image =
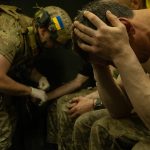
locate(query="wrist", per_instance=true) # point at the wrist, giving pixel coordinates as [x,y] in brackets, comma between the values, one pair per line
[97,104]
[94,102]
[29,90]
[123,55]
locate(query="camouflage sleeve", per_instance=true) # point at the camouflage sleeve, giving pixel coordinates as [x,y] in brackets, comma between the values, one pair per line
[10,37]
[7,47]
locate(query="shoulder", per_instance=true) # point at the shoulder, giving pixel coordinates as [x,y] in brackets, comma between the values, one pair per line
[10,37]
[25,21]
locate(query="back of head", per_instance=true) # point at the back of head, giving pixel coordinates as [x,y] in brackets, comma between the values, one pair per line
[57,20]
[99,8]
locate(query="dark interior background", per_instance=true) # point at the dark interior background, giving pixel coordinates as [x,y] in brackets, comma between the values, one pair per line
[71,6]
[30,133]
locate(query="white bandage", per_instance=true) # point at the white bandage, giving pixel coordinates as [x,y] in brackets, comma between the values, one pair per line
[39,94]
[43,83]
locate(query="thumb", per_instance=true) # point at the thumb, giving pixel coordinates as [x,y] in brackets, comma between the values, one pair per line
[74,100]
[114,20]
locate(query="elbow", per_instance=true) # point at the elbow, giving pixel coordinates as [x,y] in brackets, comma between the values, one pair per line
[80,80]
[77,83]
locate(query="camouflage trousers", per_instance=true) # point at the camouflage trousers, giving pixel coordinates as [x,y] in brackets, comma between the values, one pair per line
[7,122]
[52,129]
[97,130]
[59,125]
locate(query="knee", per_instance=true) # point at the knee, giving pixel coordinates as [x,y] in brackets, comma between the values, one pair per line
[100,125]
[82,122]
[96,127]
[60,101]
[79,123]
[62,105]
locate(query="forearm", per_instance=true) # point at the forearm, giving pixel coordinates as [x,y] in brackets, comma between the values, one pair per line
[111,95]
[62,90]
[9,86]
[136,83]
[35,75]
[93,95]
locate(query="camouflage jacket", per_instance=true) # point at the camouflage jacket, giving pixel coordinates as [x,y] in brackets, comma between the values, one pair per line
[15,45]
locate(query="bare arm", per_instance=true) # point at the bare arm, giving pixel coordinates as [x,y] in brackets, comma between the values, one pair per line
[136,83]
[35,75]
[93,95]
[8,85]
[68,87]
[111,95]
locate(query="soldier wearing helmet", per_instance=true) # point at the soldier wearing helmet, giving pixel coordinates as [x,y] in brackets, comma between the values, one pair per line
[22,39]
[56,21]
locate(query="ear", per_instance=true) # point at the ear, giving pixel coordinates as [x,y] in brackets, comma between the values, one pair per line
[135,4]
[129,27]
[41,30]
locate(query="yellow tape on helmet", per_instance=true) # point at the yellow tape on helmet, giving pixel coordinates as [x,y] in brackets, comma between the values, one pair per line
[58,22]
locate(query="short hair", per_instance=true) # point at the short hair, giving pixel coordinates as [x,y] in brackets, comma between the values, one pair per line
[99,8]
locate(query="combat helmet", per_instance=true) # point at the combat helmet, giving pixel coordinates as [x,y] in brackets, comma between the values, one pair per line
[57,20]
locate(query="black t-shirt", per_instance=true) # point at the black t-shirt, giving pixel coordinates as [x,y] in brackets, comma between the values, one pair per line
[87,70]
[59,65]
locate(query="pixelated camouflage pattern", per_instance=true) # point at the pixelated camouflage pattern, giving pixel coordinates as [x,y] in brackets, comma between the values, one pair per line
[103,132]
[12,26]
[65,34]
[11,47]
[82,129]
[9,36]
[7,121]
[59,115]
[121,133]
[52,123]
[65,123]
